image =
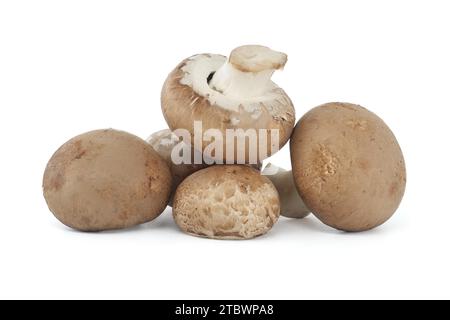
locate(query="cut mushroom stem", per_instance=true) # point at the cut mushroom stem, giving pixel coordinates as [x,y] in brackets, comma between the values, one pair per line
[248,71]
[292,206]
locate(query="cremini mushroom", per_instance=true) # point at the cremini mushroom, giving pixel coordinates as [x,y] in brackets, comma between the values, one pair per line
[348,166]
[106,179]
[292,206]
[226,202]
[234,101]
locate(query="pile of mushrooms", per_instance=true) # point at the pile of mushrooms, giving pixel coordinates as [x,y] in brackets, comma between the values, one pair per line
[347,166]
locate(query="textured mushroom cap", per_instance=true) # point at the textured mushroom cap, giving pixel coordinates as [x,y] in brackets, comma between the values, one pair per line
[226,202]
[187,97]
[347,166]
[106,179]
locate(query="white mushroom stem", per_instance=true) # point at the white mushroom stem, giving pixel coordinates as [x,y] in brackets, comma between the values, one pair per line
[292,206]
[248,71]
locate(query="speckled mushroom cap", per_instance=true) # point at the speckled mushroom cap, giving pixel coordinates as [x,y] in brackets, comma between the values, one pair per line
[106,179]
[348,166]
[226,202]
[198,90]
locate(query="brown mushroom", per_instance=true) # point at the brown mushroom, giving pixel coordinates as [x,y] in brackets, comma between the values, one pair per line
[249,117]
[226,202]
[348,166]
[106,179]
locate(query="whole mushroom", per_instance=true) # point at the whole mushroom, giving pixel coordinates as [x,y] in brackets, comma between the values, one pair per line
[348,166]
[106,179]
[233,96]
[226,202]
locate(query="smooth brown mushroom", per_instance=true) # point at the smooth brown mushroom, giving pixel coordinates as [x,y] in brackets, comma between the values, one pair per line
[106,179]
[348,166]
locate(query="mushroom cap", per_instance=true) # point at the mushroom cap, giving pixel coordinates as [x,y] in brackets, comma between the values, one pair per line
[187,97]
[226,202]
[106,179]
[163,143]
[348,166]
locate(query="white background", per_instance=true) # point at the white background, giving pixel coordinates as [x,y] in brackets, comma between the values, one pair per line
[67,67]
